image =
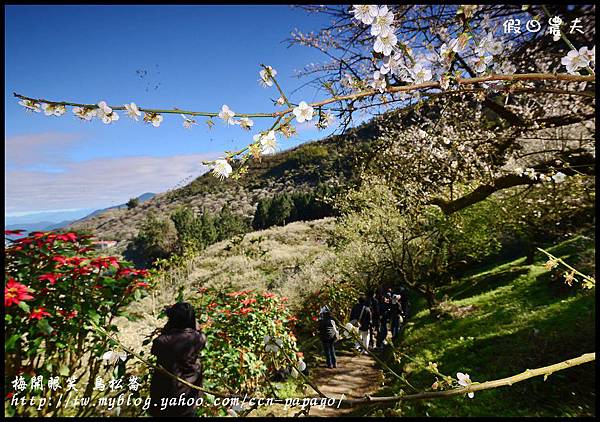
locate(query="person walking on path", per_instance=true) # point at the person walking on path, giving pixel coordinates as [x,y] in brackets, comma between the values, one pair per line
[396,315]
[373,304]
[384,315]
[360,316]
[328,334]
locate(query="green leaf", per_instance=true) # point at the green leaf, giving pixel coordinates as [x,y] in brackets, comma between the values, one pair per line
[64,370]
[94,316]
[10,343]
[24,306]
[44,326]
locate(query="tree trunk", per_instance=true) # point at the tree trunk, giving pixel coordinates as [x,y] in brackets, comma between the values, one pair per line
[431,302]
[530,254]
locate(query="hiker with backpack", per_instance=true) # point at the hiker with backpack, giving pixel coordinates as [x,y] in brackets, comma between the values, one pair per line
[328,334]
[361,317]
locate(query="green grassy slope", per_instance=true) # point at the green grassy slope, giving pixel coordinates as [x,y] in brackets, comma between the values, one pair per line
[520,317]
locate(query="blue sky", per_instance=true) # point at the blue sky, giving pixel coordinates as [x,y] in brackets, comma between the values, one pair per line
[195,57]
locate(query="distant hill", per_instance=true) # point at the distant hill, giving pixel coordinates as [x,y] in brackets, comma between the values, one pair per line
[47,225]
[41,226]
[335,160]
[143,198]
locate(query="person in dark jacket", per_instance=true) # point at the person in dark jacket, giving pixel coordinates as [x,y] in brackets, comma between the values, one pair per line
[373,304]
[396,317]
[177,349]
[384,315]
[328,334]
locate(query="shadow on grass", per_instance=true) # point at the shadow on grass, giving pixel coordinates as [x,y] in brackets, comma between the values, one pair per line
[539,341]
[488,282]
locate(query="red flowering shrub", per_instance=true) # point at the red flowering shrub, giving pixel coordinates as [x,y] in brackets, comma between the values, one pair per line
[338,297]
[238,357]
[53,287]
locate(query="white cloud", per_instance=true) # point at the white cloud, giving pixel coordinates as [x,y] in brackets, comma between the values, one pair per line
[98,183]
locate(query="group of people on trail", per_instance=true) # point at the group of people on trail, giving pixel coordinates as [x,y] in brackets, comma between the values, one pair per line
[371,315]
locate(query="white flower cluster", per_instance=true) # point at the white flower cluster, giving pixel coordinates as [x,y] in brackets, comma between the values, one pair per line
[579,59]
[381,20]
[529,172]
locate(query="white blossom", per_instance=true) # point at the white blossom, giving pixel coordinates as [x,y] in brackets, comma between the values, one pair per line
[154,118]
[106,114]
[246,123]
[385,43]
[133,111]
[529,172]
[326,120]
[378,82]
[382,24]
[85,113]
[112,357]
[227,114]
[303,112]
[463,379]
[104,108]
[222,169]
[575,60]
[490,45]
[420,74]
[267,75]
[480,61]
[591,54]
[188,122]
[54,109]
[280,101]
[301,365]
[364,13]
[30,105]
[267,141]
[559,177]
[458,44]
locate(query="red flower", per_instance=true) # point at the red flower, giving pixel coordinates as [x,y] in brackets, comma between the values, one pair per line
[39,313]
[10,232]
[67,237]
[76,260]
[68,315]
[300,354]
[314,318]
[15,292]
[50,277]
[245,311]
[293,318]
[62,260]
[212,305]
[202,290]
[268,295]
[141,284]
[284,299]
[247,302]
[236,294]
[125,272]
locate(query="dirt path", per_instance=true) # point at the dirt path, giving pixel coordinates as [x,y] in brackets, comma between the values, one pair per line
[355,376]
